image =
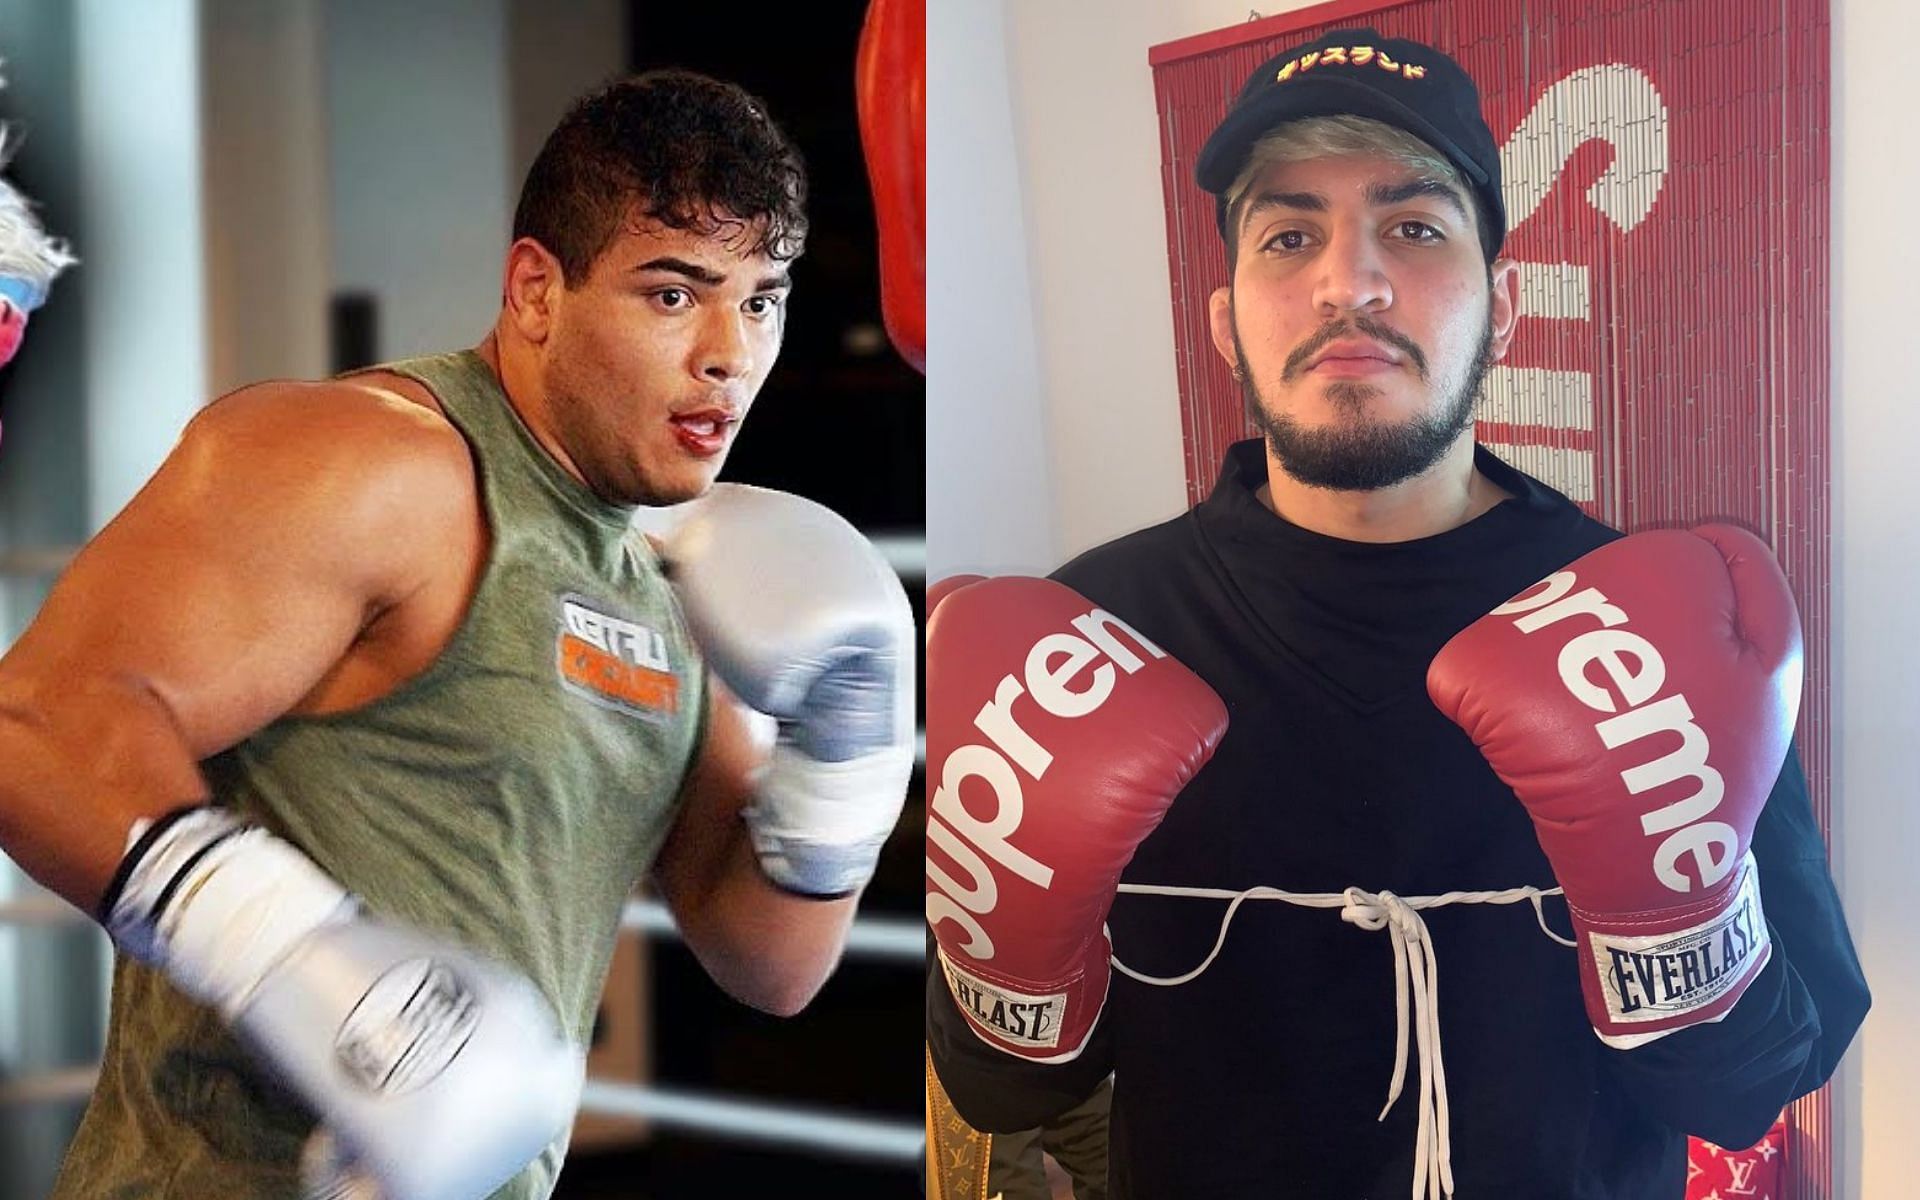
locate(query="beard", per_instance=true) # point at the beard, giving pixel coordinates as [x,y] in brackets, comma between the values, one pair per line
[1356,454]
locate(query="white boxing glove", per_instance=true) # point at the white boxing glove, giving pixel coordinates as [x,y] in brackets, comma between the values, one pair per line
[436,1074]
[804,620]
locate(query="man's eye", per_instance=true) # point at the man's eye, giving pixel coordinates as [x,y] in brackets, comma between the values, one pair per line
[1287,239]
[673,298]
[1420,231]
[762,306]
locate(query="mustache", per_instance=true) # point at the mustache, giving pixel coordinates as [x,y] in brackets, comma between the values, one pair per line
[1327,334]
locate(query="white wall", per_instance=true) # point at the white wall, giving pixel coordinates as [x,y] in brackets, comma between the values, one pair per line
[989,494]
[556,52]
[1876,558]
[137,83]
[419,148]
[263,112]
[1085,111]
[1072,272]
[1047,251]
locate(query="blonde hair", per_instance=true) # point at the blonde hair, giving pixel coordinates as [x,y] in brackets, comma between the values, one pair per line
[1325,137]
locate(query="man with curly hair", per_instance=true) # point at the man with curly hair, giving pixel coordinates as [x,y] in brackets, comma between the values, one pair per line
[357,727]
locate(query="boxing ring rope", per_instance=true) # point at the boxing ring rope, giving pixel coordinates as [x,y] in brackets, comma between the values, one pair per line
[51,1087]
[906,555]
[35,562]
[888,939]
[894,1143]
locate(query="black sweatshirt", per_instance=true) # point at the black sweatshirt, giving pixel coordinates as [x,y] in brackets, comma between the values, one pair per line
[1264,1076]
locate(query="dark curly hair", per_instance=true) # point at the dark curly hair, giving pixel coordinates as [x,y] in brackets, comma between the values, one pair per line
[690,151]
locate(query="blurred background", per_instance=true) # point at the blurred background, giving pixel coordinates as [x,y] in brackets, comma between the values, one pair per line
[301,187]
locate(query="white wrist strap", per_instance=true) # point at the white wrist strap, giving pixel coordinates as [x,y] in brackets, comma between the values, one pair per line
[818,826]
[1415,971]
[215,904]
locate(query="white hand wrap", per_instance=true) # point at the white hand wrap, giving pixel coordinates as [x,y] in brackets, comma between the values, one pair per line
[251,898]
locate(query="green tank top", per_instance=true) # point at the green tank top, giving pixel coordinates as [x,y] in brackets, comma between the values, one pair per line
[509,797]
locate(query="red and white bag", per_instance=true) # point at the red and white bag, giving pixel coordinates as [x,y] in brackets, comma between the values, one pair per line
[1717,1174]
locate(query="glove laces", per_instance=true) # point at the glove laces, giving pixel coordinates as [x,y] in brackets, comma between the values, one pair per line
[1416,976]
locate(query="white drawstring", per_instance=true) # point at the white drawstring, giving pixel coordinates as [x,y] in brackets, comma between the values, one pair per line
[1415,972]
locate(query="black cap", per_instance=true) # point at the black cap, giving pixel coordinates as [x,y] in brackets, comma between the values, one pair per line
[1357,72]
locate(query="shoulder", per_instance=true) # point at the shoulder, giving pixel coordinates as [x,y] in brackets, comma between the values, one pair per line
[1131,557]
[338,475]
[325,440]
[1175,555]
[316,421]
[1153,578]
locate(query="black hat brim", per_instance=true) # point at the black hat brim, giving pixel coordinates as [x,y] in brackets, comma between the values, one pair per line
[1225,153]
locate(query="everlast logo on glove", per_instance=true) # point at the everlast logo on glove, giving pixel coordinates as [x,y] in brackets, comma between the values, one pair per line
[1678,971]
[1028,1020]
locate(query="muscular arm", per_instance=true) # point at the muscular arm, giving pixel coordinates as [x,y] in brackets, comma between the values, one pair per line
[765,947]
[288,517]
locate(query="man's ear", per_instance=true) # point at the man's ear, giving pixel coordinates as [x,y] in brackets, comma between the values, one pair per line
[1504,306]
[1220,324]
[532,288]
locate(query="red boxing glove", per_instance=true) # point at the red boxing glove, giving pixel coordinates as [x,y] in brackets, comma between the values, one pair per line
[1640,702]
[947,587]
[891,93]
[1058,737]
